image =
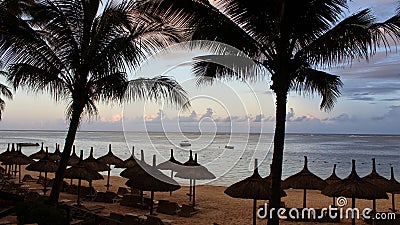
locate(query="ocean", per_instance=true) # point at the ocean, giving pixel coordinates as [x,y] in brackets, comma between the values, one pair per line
[232,165]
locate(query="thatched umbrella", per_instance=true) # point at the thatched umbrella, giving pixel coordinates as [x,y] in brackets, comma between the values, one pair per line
[4,155]
[18,158]
[56,155]
[82,172]
[43,165]
[149,178]
[109,159]
[378,180]
[354,187]
[39,154]
[171,164]
[333,178]
[93,163]
[304,180]
[73,159]
[394,188]
[192,170]
[253,187]
[132,161]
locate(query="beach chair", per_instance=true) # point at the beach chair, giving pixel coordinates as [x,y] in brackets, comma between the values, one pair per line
[99,197]
[153,220]
[28,178]
[167,207]
[122,191]
[110,197]
[187,211]
[131,200]
[130,219]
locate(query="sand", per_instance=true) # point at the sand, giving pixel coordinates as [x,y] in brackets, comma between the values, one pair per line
[217,207]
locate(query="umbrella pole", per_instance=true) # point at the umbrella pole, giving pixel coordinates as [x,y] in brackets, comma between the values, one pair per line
[393,204]
[79,193]
[70,183]
[194,192]
[254,211]
[108,177]
[305,198]
[190,190]
[151,202]
[353,205]
[19,174]
[334,201]
[172,176]
[45,183]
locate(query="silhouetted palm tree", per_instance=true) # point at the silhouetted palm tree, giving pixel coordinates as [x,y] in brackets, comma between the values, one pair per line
[6,93]
[292,41]
[81,51]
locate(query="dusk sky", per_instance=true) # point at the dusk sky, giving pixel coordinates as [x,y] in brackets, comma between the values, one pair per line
[370,101]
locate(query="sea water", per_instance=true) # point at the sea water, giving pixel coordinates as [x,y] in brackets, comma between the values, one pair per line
[232,165]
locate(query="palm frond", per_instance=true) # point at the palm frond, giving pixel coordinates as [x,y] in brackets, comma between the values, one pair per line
[356,37]
[309,81]
[38,80]
[160,89]
[226,67]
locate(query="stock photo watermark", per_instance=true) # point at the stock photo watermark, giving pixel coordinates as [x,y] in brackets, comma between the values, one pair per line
[332,212]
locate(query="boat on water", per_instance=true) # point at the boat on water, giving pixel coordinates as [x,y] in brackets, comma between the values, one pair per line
[229,147]
[185,144]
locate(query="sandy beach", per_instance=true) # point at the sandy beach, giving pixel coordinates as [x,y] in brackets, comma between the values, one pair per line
[217,207]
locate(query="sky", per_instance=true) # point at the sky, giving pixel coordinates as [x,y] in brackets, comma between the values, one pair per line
[370,101]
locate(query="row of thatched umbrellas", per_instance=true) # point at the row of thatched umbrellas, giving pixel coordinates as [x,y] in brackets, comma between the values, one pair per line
[371,187]
[141,175]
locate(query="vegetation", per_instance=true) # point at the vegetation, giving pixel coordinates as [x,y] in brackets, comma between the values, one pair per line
[81,52]
[292,42]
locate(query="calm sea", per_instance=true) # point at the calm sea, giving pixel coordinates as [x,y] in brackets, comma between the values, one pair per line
[231,165]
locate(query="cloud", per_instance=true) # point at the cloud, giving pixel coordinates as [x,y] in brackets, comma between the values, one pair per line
[208,114]
[259,118]
[392,114]
[341,118]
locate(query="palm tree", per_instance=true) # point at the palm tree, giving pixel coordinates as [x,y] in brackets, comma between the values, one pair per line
[81,52]
[6,93]
[292,41]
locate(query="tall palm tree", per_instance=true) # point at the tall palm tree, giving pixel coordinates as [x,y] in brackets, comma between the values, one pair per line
[5,91]
[81,51]
[292,41]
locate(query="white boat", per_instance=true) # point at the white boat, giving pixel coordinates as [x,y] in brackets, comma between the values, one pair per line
[185,144]
[229,147]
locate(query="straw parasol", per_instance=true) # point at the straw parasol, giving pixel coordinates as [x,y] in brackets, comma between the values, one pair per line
[149,178]
[93,163]
[82,172]
[4,155]
[38,155]
[253,187]
[132,161]
[43,165]
[18,158]
[109,159]
[354,187]
[171,164]
[394,188]
[192,170]
[73,159]
[304,180]
[333,178]
[378,180]
[56,155]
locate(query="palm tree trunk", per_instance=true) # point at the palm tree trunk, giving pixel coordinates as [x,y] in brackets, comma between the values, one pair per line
[69,141]
[277,160]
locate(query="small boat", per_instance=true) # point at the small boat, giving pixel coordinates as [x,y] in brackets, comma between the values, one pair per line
[229,147]
[185,144]
[27,144]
